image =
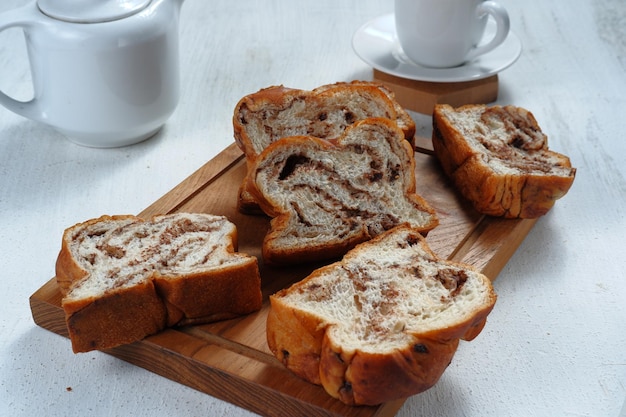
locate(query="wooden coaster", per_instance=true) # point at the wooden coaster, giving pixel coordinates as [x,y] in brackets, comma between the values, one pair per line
[421,96]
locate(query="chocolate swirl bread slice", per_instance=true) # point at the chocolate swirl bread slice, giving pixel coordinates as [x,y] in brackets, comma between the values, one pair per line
[498,158]
[326,197]
[383,323]
[124,278]
[325,112]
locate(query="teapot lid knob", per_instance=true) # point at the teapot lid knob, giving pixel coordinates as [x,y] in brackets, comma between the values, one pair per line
[91,11]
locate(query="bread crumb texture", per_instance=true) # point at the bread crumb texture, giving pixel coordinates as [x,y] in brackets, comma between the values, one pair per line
[389,299]
[275,112]
[327,197]
[510,138]
[123,278]
[123,253]
[498,158]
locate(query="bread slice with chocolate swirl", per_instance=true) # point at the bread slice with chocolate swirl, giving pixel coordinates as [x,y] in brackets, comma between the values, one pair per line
[124,278]
[381,324]
[325,197]
[325,112]
[498,159]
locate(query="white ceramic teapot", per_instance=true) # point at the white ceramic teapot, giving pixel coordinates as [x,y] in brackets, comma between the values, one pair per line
[105,72]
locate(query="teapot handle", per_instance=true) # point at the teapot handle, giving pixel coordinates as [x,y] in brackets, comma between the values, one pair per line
[503,25]
[24,17]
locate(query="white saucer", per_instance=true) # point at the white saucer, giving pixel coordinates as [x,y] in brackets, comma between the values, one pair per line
[375,43]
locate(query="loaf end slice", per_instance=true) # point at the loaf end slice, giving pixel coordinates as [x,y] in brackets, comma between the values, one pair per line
[124,278]
[326,197]
[498,159]
[325,112]
[381,324]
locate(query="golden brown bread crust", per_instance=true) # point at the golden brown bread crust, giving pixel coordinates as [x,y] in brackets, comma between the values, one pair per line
[537,176]
[207,297]
[274,99]
[299,340]
[295,337]
[366,378]
[104,322]
[303,341]
[129,313]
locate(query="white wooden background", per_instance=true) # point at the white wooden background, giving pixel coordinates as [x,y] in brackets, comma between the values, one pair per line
[555,345]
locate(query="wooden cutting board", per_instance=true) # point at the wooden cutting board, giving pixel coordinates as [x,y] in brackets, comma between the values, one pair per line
[230,359]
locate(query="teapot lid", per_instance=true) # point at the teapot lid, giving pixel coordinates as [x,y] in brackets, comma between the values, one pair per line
[91,11]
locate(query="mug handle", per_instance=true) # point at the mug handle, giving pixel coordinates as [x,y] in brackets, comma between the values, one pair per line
[22,17]
[503,26]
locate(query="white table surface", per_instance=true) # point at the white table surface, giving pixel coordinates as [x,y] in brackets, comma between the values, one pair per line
[555,344]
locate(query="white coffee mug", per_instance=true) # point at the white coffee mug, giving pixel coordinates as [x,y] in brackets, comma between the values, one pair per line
[447,33]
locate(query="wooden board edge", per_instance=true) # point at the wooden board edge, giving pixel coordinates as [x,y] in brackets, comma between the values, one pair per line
[211,380]
[46,311]
[218,383]
[519,232]
[197,181]
[478,241]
